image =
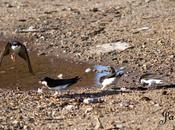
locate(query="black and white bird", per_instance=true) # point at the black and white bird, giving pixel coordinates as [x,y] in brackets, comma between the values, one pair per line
[58,84]
[112,78]
[16,48]
[149,79]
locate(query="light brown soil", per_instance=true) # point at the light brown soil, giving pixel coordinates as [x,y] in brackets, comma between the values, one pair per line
[71,28]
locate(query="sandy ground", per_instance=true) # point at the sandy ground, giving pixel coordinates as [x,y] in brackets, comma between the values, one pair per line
[68,29]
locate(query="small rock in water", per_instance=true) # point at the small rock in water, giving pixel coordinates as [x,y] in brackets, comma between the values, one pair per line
[88,70]
[90,100]
[60,76]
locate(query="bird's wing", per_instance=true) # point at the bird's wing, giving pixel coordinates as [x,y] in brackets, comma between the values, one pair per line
[60,82]
[67,81]
[147,76]
[5,52]
[24,54]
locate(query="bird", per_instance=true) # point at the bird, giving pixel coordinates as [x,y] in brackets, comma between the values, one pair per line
[150,79]
[111,78]
[58,84]
[14,48]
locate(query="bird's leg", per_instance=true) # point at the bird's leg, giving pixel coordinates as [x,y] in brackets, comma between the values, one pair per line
[13,57]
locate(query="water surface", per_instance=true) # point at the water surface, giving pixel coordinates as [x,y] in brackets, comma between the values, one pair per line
[16,75]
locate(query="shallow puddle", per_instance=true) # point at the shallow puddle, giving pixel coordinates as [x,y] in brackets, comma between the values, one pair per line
[16,75]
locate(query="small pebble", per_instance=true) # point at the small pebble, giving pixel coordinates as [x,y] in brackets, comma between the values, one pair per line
[119,126]
[60,76]
[69,107]
[90,100]
[88,70]
[40,90]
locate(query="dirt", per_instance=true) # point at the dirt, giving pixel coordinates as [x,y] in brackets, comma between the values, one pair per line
[68,30]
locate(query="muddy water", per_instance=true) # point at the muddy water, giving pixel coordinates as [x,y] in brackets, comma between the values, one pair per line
[16,75]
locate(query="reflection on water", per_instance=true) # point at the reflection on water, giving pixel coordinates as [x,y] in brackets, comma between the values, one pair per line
[13,75]
[16,75]
[103,72]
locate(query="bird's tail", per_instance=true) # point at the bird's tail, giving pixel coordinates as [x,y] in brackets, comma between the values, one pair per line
[120,72]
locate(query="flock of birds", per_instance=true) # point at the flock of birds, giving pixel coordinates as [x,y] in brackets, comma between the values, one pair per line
[14,48]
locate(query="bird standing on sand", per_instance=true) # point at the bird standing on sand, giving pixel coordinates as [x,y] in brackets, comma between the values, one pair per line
[149,80]
[111,78]
[16,48]
[58,84]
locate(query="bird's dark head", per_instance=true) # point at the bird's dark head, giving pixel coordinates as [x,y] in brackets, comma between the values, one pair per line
[112,70]
[45,79]
[14,42]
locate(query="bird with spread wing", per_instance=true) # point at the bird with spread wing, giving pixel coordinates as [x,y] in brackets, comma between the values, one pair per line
[16,48]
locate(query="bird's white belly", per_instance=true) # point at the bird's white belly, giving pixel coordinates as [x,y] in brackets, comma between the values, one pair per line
[107,82]
[60,87]
[151,81]
[56,87]
[16,49]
